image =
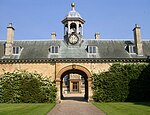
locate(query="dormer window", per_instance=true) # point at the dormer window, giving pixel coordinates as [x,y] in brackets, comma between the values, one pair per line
[131,49]
[54,49]
[53,52]
[91,49]
[17,50]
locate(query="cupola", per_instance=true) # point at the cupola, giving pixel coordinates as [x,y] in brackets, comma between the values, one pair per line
[73,26]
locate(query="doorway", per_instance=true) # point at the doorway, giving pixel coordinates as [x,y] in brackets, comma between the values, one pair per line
[85,77]
[74,85]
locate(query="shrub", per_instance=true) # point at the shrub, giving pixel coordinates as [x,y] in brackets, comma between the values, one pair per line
[25,87]
[129,82]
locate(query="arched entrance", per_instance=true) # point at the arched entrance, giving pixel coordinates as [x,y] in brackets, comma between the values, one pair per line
[74,69]
[73,83]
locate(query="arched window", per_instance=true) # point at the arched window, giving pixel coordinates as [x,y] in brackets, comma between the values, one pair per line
[80,29]
[73,27]
[66,29]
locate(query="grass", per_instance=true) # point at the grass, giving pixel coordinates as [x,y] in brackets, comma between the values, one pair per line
[26,109]
[119,108]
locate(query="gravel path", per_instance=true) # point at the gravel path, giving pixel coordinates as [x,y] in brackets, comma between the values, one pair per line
[75,107]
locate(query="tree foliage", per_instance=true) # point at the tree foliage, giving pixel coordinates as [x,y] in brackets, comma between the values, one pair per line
[128,82]
[25,87]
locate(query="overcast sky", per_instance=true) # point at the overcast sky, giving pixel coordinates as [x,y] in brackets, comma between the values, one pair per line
[36,19]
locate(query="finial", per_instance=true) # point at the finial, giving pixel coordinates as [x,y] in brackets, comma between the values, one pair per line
[72,5]
[10,25]
[136,25]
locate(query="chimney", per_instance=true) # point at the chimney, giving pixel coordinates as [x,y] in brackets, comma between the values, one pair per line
[53,35]
[10,40]
[97,35]
[137,40]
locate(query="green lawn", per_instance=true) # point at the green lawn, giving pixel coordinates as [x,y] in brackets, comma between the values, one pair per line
[125,108]
[26,109]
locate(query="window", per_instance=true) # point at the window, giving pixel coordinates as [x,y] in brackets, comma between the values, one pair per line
[131,49]
[53,52]
[17,50]
[54,49]
[91,49]
[75,86]
[73,27]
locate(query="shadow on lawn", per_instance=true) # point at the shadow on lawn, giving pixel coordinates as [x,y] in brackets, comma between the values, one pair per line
[142,103]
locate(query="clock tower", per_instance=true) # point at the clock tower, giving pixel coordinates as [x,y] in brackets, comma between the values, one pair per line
[73,27]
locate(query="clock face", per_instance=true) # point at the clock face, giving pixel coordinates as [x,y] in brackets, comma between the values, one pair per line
[73,39]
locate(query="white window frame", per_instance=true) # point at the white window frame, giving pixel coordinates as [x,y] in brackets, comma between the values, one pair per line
[17,50]
[132,49]
[53,51]
[92,49]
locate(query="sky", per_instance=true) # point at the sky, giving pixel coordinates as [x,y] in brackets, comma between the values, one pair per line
[37,19]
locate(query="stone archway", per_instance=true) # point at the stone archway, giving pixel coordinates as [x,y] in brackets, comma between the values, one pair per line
[74,69]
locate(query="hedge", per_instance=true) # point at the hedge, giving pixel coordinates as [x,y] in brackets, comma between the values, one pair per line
[25,87]
[123,82]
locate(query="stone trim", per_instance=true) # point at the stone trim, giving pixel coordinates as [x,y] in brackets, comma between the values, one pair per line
[76,60]
[72,67]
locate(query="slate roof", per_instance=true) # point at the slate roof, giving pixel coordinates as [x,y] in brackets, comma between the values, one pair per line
[146,47]
[1,49]
[105,49]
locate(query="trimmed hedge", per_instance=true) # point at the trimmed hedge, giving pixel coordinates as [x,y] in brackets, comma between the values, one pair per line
[128,82]
[25,87]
